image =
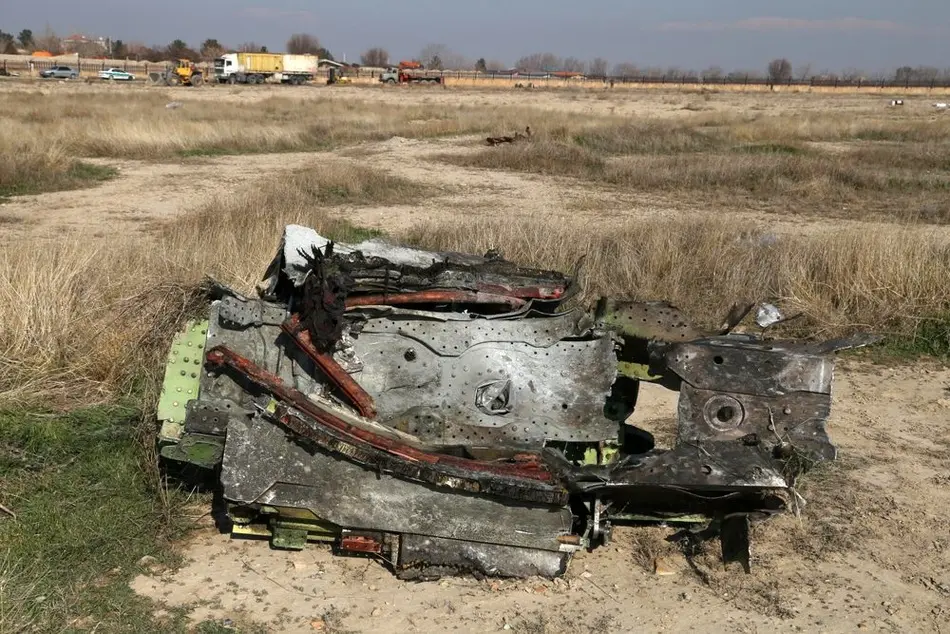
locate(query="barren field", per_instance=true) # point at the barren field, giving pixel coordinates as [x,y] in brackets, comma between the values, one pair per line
[113,207]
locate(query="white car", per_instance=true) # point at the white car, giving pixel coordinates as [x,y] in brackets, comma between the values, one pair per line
[117,74]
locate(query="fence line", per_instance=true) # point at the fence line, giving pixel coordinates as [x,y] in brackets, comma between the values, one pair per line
[94,65]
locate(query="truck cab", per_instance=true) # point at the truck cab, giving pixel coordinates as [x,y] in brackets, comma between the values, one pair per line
[225,66]
[390,75]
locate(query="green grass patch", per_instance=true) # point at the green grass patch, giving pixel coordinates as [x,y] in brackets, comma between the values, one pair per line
[931,338]
[770,148]
[648,137]
[88,507]
[71,175]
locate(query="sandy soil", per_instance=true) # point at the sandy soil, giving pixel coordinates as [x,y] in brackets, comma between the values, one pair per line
[871,552]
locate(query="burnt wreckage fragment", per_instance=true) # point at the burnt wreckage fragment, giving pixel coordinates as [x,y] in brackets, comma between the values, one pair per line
[447,414]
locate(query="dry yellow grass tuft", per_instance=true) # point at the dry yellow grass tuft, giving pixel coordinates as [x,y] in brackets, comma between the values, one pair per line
[86,319]
[892,168]
[842,281]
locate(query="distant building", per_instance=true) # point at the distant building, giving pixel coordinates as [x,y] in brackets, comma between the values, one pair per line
[81,43]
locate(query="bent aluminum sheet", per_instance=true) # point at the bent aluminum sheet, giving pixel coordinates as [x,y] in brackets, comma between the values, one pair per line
[487,381]
[298,238]
[262,465]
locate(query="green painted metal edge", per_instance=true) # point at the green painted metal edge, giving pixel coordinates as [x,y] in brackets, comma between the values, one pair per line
[197,449]
[638,371]
[182,375]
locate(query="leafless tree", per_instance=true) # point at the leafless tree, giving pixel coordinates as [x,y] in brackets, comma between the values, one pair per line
[540,62]
[378,57]
[597,67]
[211,49]
[440,56]
[625,69]
[49,41]
[856,74]
[572,65]
[250,47]
[303,44]
[780,71]
[494,64]
[713,73]
[804,72]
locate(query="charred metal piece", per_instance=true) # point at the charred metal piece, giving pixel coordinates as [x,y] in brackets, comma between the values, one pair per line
[355,394]
[438,297]
[522,477]
[443,413]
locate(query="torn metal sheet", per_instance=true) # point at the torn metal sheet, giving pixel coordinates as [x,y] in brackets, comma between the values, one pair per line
[447,414]
[264,466]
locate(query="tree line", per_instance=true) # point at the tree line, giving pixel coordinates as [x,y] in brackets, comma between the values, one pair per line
[443,57]
[209,49]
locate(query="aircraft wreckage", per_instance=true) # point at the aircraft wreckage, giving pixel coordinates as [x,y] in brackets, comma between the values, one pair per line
[446,413]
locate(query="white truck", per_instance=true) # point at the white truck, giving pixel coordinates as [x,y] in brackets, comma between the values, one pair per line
[256,68]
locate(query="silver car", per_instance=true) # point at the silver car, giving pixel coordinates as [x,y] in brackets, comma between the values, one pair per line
[60,72]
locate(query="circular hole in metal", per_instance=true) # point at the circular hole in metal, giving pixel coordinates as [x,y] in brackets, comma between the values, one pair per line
[724,414]
[718,360]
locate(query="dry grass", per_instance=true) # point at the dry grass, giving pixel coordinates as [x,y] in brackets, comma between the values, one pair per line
[85,319]
[32,165]
[842,281]
[136,123]
[894,168]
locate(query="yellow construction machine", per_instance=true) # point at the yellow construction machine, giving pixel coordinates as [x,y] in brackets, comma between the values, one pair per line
[183,73]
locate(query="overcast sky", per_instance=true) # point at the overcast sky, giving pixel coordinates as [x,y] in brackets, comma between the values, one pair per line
[691,34]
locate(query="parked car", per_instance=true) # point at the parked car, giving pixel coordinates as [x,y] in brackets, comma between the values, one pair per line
[117,74]
[60,72]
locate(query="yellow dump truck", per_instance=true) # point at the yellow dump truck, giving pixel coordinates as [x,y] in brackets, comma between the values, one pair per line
[256,68]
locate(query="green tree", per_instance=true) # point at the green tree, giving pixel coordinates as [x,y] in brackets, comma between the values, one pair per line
[481,65]
[119,49]
[26,38]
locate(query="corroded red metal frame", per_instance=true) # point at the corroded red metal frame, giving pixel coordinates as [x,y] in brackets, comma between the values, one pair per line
[524,466]
[354,393]
[435,297]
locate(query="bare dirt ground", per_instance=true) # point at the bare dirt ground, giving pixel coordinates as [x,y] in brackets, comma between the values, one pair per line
[871,551]
[142,195]
[145,194]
